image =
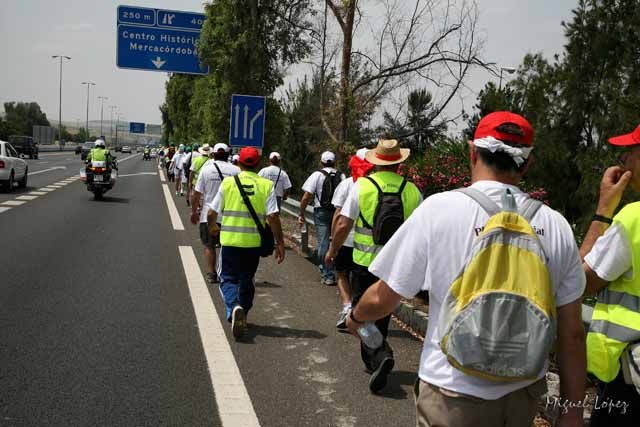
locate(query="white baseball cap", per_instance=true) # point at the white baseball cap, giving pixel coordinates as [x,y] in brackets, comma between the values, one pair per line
[220,146]
[361,153]
[274,155]
[327,157]
[236,157]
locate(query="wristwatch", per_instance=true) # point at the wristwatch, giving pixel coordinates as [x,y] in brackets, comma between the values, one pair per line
[601,218]
[353,318]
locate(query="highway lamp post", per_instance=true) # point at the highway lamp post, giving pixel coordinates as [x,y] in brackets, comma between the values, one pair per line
[509,70]
[61,57]
[112,108]
[102,99]
[89,84]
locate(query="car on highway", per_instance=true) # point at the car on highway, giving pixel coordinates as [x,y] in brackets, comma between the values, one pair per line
[86,149]
[126,149]
[24,145]
[118,149]
[154,153]
[12,167]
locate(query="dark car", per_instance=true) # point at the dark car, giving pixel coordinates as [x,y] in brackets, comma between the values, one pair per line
[24,145]
[86,149]
[78,149]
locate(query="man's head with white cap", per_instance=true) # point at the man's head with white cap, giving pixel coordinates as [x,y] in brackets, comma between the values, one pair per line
[235,159]
[221,152]
[274,158]
[328,158]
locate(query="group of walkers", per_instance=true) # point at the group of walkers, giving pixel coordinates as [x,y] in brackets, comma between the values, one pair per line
[504,274]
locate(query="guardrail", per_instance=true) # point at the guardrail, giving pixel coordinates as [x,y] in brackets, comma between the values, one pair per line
[292,207]
[54,148]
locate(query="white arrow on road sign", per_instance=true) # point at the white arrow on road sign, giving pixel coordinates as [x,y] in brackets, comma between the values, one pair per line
[246,121]
[253,122]
[158,62]
[235,133]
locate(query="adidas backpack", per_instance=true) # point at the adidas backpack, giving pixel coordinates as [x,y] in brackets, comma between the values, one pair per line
[331,181]
[389,213]
[498,319]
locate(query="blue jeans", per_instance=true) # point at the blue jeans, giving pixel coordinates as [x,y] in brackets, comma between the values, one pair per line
[237,269]
[322,219]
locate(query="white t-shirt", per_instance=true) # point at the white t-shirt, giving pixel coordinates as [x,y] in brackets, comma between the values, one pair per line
[611,255]
[271,173]
[217,205]
[177,160]
[351,206]
[314,183]
[209,181]
[339,197]
[429,251]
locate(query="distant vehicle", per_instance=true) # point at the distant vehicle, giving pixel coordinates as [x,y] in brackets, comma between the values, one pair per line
[78,149]
[126,149]
[118,149]
[86,149]
[154,153]
[24,145]
[12,167]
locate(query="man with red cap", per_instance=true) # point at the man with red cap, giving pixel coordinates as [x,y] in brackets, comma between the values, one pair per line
[247,204]
[611,251]
[432,248]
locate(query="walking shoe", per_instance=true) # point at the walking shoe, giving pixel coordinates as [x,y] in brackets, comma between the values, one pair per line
[212,278]
[329,282]
[378,378]
[342,319]
[239,322]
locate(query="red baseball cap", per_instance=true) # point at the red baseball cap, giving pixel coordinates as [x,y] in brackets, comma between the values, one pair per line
[490,123]
[249,156]
[632,138]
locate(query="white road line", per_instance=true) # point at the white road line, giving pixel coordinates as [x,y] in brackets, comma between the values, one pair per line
[26,198]
[173,211]
[38,193]
[54,186]
[13,203]
[127,158]
[138,174]
[4,209]
[162,177]
[233,401]
[47,170]
[46,189]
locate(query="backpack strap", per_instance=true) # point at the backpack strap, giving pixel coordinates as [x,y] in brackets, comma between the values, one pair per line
[252,211]
[530,208]
[277,179]
[482,199]
[219,172]
[375,184]
[404,184]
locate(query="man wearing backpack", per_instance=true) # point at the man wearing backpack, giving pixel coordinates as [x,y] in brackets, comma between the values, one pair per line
[611,251]
[211,175]
[280,179]
[436,247]
[318,190]
[378,204]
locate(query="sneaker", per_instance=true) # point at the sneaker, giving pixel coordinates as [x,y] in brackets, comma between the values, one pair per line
[329,282]
[239,322]
[378,378]
[342,319]
[212,278]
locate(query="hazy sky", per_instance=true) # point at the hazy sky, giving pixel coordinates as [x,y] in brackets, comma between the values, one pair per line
[33,30]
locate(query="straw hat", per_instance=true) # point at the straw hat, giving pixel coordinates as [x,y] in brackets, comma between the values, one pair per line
[205,150]
[388,152]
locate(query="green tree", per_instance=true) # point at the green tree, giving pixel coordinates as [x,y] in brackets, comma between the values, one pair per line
[22,116]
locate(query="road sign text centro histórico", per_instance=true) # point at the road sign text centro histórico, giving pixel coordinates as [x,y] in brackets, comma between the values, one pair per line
[159,40]
[247,121]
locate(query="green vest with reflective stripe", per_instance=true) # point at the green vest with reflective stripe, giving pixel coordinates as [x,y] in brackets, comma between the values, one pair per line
[198,162]
[616,317]
[98,155]
[238,228]
[364,249]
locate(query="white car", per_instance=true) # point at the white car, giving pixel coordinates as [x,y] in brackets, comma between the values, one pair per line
[126,149]
[12,167]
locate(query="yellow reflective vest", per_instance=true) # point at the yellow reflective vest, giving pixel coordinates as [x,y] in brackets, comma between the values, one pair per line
[616,317]
[364,249]
[238,227]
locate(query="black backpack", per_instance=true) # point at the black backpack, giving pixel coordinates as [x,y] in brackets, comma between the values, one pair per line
[331,181]
[389,214]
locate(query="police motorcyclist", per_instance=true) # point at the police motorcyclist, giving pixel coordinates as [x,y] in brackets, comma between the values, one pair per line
[100,154]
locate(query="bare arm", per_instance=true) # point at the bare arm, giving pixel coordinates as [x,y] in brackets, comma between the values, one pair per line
[377,302]
[285,194]
[276,228]
[339,232]
[212,221]
[195,206]
[306,198]
[572,361]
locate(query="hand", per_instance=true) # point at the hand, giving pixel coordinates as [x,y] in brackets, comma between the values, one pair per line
[214,230]
[329,257]
[194,217]
[353,326]
[301,219]
[612,186]
[279,252]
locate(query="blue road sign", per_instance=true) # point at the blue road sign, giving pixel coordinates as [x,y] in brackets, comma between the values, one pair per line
[135,127]
[247,121]
[159,40]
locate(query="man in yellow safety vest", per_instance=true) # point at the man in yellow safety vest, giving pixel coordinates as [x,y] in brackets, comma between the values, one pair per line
[611,253]
[240,237]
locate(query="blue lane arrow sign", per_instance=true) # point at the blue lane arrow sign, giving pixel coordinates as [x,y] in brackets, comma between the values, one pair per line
[159,40]
[247,121]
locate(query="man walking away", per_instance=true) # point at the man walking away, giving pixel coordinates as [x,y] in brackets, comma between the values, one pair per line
[538,259]
[240,236]
[344,259]
[211,175]
[319,189]
[176,166]
[196,165]
[378,205]
[611,251]
[280,179]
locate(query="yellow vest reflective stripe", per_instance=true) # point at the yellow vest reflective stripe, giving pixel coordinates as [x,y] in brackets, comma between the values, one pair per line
[198,162]
[364,249]
[238,228]
[616,316]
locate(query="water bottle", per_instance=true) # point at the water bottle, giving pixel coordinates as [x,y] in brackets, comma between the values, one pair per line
[370,335]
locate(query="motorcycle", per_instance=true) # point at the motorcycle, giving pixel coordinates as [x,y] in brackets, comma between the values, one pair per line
[146,156]
[99,178]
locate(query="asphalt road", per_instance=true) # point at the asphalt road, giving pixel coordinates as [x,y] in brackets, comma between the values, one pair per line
[104,321]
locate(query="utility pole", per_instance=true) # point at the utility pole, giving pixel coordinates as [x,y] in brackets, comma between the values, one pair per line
[509,70]
[112,108]
[89,84]
[102,99]
[62,57]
